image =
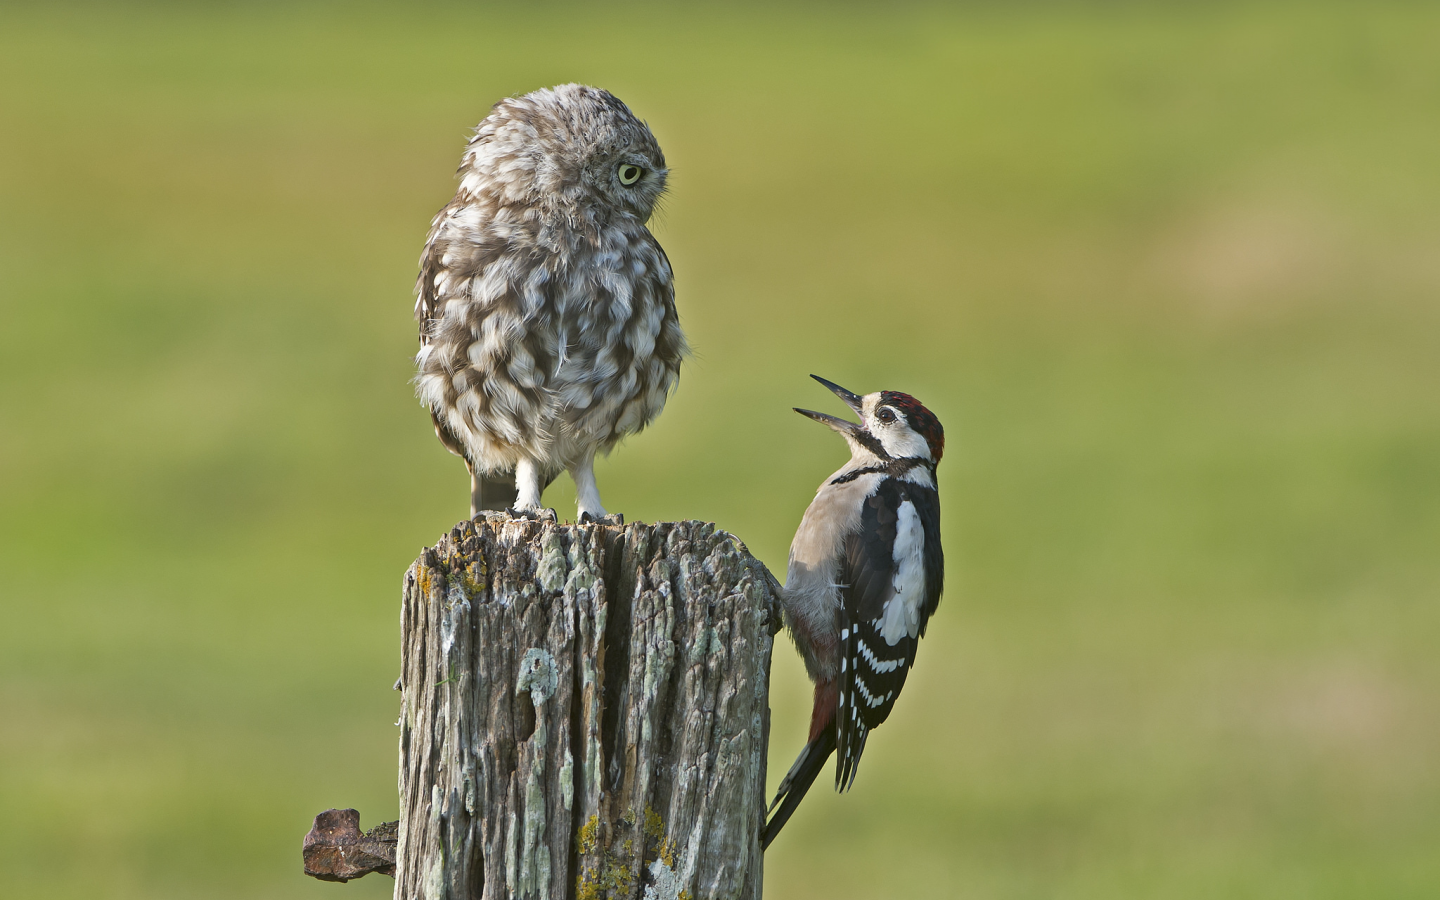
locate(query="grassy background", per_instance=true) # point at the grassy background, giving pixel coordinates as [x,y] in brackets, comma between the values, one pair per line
[1168,273]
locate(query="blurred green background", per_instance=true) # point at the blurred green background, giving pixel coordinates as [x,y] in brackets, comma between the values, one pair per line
[1169,274]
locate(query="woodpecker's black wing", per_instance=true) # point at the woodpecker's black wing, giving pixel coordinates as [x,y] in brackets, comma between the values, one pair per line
[892,576]
[927,506]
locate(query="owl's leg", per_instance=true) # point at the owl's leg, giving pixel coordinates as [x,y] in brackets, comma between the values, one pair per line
[529,482]
[494,492]
[587,494]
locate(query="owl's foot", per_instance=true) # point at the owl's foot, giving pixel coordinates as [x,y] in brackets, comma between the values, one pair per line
[587,495]
[533,515]
[611,519]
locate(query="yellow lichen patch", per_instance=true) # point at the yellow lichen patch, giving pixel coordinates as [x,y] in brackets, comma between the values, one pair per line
[472,577]
[614,878]
[613,874]
[585,840]
[618,877]
[654,825]
[655,831]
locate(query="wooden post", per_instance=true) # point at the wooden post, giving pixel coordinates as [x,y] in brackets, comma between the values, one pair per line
[585,713]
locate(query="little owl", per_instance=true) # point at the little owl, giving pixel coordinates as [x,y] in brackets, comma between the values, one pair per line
[548,329]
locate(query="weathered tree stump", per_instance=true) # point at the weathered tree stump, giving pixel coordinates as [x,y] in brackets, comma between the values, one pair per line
[585,713]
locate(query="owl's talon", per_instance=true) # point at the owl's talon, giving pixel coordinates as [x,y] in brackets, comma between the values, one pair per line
[609,519]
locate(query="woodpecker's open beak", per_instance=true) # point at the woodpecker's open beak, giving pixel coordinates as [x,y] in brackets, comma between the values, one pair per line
[851,400]
[834,422]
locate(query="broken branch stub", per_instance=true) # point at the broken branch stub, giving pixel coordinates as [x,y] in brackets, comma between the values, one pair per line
[585,713]
[336,850]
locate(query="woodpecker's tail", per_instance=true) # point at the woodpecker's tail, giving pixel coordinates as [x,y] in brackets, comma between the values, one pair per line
[797,781]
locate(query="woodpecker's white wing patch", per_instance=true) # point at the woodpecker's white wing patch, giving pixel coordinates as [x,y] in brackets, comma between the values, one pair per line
[901,617]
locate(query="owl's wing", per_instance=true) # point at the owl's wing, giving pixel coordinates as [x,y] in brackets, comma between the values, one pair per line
[670,344]
[428,302]
[429,306]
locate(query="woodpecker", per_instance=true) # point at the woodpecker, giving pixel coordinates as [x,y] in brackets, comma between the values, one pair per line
[865,575]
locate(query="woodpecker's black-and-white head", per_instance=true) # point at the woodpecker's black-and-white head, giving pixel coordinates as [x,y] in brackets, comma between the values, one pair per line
[893,426]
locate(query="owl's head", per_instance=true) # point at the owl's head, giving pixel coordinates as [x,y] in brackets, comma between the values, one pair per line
[570,149]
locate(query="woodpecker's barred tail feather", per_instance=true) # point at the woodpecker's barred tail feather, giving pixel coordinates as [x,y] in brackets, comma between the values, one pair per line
[866,571]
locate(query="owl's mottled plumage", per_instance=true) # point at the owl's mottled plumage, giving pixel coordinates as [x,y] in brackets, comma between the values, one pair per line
[548,329]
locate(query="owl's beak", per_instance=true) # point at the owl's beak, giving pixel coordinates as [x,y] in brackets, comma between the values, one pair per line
[851,399]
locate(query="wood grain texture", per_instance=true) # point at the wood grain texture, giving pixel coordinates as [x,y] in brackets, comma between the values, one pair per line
[585,713]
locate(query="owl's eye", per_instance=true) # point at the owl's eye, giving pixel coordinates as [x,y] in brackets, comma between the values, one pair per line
[886,415]
[630,174]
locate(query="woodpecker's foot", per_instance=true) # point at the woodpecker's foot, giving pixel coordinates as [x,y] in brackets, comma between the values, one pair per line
[611,519]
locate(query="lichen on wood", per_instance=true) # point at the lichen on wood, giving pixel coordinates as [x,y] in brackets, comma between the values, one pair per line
[585,713]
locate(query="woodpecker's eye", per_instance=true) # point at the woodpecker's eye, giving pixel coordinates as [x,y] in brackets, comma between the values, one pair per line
[886,415]
[630,174]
